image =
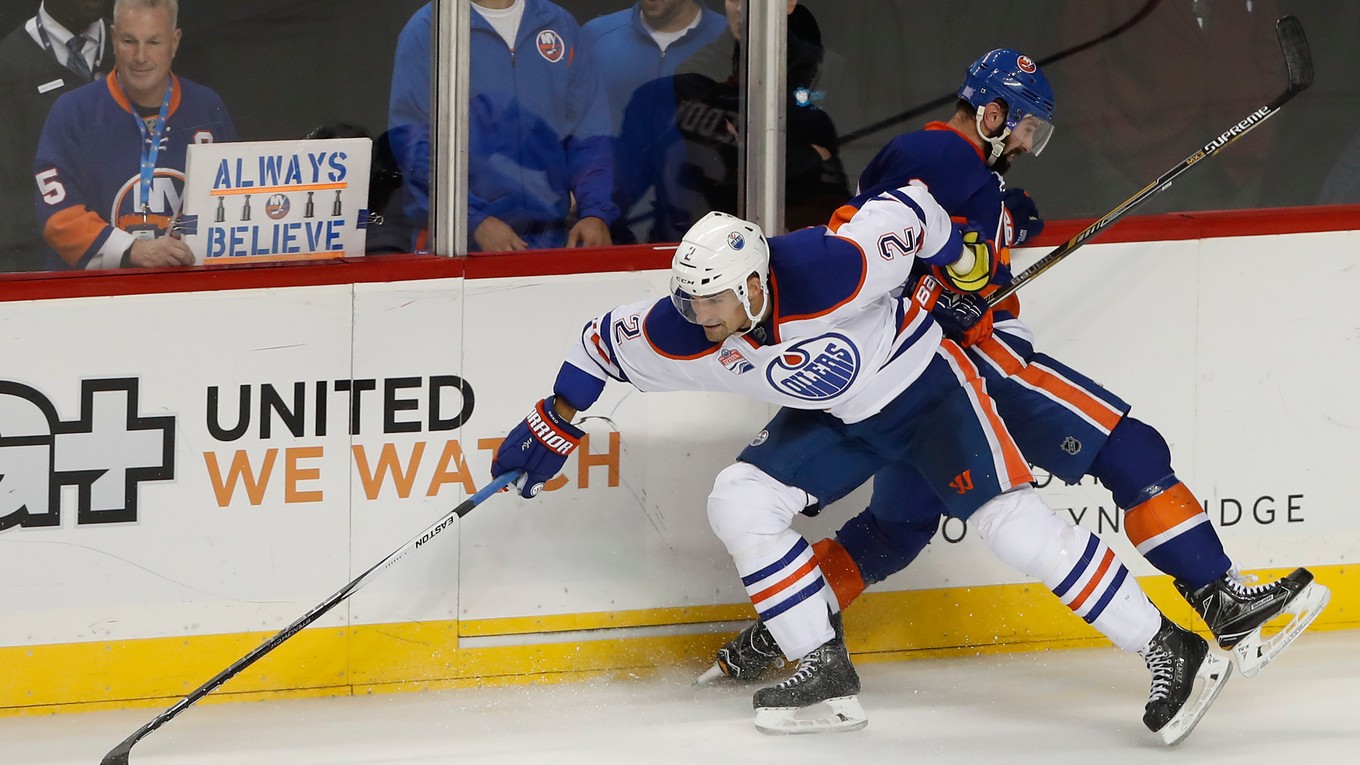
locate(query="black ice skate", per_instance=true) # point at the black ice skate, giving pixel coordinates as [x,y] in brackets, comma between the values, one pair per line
[746,657]
[820,696]
[1177,658]
[1235,613]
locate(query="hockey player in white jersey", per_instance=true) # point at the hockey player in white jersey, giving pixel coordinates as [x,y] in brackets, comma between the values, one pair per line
[816,321]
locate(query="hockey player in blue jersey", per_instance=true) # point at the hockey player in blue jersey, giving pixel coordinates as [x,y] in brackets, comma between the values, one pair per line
[816,321]
[1063,421]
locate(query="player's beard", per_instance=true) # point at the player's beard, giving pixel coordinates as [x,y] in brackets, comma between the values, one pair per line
[1003,163]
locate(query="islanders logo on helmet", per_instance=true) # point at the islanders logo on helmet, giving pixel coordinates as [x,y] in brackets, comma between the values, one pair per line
[1013,78]
[551,46]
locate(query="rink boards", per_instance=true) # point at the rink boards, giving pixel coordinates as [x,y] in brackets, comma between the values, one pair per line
[188,472]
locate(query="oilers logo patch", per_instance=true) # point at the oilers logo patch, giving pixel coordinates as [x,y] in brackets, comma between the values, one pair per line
[816,370]
[550,46]
[734,362]
[736,241]
[1071,445]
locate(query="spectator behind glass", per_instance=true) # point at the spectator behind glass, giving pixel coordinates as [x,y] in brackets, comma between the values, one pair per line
[110,163]
[384,235]
[37,66]
[540,169]
[708,89]
[1142,101]
[638,50]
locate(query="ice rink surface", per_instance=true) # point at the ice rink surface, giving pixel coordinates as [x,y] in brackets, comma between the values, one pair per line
[1074,706]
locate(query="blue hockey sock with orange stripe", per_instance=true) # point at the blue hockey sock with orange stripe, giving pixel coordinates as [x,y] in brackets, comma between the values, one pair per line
[1173,532]
[1161,516]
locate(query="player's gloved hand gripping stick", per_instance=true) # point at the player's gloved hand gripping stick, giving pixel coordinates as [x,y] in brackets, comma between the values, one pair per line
[538,447]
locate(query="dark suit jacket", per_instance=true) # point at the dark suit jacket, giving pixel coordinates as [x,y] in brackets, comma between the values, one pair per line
[26,71]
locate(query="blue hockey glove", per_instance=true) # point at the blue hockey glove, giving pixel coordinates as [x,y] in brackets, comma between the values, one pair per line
[538,446]
[1024,215]
[965,318]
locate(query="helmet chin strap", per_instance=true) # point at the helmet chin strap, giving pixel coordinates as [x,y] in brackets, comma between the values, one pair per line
[998,143]
[755,320]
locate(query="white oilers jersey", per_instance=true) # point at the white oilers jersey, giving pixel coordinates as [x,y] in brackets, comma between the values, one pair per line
[837,338]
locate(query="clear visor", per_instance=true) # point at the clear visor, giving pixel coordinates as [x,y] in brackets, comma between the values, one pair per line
[1033,133]
[709,309]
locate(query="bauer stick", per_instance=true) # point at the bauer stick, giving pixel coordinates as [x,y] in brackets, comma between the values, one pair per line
[119,754]
[1297,60]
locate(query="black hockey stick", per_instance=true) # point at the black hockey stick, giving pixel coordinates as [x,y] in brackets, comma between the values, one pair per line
[1297,60]
[119,754]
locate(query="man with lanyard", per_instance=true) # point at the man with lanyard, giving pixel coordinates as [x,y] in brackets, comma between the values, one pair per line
[64,46]
[100,204]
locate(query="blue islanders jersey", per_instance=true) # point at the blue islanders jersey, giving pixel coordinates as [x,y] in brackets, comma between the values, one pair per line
[88,168]
[841,336]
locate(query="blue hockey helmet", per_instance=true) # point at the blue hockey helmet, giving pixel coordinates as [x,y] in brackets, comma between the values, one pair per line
[1014,78]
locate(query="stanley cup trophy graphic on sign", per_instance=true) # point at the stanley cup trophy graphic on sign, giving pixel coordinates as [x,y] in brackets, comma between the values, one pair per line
[228,185]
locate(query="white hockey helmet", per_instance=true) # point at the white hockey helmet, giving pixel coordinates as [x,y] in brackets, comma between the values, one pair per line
[719,253]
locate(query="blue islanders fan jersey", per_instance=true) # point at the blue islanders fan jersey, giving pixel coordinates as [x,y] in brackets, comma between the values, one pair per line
[88,168]
[842,336]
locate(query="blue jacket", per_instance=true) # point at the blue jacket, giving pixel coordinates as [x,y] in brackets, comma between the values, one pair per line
[647,150]
[630,57]
[539,127]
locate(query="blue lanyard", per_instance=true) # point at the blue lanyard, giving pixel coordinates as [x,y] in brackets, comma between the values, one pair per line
[151,147]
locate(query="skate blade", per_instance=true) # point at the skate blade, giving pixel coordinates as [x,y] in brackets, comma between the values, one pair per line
[1256,651]
[836,715]
[712,674]
[1213,674]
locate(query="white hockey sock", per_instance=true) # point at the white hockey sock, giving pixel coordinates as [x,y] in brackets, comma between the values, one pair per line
[789,593]
[1075,564]
[752,513]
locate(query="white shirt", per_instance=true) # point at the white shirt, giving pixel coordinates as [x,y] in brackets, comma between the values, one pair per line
[504,20]
[664,39]
[58,36]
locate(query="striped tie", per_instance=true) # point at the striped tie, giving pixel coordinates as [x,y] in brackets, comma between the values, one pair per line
[75,58]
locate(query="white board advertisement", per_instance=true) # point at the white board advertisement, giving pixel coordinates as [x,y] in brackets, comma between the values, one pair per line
[263,201]
[159,486]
